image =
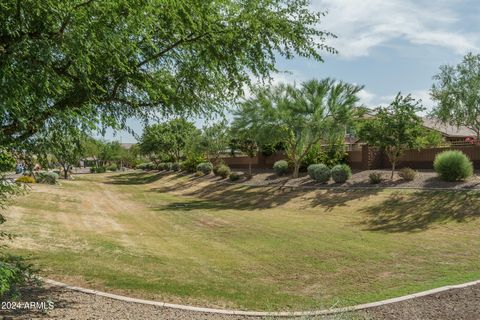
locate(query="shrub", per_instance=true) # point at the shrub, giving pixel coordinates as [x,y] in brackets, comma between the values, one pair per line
[311,168]
[101,169]
[15,273]
[151,166]
[191,162]
[93,169]
[234,176]
[168,166]
[222,170]
[112,167]
[321,173]
[162,166]
[375,177]
[205,167]
[280,167]
[47,177]
[341,173]
[141,166]
[407,174]
[26,179]
[175,166]
[453,165]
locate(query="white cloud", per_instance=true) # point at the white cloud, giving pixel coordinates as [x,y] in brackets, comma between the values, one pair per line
[372,100]
[362,25]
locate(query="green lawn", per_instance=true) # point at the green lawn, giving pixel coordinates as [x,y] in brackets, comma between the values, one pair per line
[180,240]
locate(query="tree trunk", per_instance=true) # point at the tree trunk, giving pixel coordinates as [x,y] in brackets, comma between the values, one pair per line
[296,169]
[393,168]
[65,172]
[250,166]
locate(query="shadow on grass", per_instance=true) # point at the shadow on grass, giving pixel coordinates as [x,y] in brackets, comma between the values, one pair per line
[220,196]
[135,178]
[41,294]
[415,212]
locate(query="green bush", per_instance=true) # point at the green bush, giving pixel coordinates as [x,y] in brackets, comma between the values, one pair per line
[280,167]
[205,167]
[234,176]
[453,165]
[93,169]
[26,179]
[161,166]
[15,273]
[321,173]
[175,166]
[101,169]
[330,156]
[142,166]
[375,177]
[7,161]
[47,177]
[341,173]
[311,169]
[112,167]
[191,162]
[151,166]
[222,170]
[407,174]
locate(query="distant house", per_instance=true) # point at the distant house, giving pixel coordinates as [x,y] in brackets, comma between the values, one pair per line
[451,134]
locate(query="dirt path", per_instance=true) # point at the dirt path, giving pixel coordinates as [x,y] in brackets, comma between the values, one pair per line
[459,304]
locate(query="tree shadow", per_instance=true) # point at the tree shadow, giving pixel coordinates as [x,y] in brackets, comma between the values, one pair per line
[407,212]
[43,295]
[332,198]
[222,196]
[133,178]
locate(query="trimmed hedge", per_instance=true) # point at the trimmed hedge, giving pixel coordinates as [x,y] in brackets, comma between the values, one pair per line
[26,179]
[311,169]
[234,176]
[321,173]
[453,165]
[341,173]
[222,170]
[205,167]
[280,167]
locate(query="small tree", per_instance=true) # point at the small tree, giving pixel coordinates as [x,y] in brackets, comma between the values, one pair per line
[214,140]
[395,128]
[457,94]
[245,141]
[300,118]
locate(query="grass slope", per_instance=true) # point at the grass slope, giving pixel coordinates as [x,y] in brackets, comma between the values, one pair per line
[193,241]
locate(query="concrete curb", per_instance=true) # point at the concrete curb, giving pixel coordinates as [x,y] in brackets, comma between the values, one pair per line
[260,313]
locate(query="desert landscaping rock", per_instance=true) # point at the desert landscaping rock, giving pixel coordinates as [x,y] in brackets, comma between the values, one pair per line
[460,304]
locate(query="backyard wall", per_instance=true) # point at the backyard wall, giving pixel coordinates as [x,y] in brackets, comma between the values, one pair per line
[366,158]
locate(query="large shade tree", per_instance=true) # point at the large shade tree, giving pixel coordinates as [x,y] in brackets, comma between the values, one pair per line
[106,61]
[299,117]
[457,93]
[167,140]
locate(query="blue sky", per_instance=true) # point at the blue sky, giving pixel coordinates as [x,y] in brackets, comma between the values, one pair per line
[386,45]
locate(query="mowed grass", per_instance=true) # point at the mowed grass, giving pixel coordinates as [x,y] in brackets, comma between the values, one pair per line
[196,241]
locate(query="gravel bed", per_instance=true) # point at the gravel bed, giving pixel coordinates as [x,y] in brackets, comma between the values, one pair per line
[425,179]
[460,304]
